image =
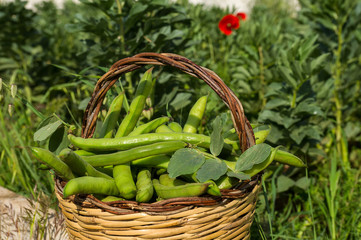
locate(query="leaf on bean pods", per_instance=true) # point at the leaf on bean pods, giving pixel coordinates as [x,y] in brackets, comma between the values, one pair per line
[46,131]
[211,169]
[253,155]
[217,140]
[185,161]
[239,175]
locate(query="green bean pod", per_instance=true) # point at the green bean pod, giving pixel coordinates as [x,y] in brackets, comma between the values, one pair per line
[111,199]
[124,143]
[144,186]
[156,161]
[261,135]
[186,190]
[176,127]
[165,180]
[195,115]
[289,159]
[79,166]
[48,158]
[90,185]
[134,154]
[213,188]
[82,152]
[149,127]
[163,129]
[112,117]
[226,182]
[108,170]
[136,106]
[124,181]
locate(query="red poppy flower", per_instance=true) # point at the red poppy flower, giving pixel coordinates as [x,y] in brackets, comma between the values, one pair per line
[242,16]
[228,23]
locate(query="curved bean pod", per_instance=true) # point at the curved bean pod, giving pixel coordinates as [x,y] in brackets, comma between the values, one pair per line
[195,115]
[186,190]
[51,160]
[90,185]
[136,106]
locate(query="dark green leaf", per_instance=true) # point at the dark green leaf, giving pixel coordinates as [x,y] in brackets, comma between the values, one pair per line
[84,103]
[284,183]
[59,140]
[181,101]
[253,155]
[217,140]
[211,169]
[185,161]
[241,176]
[303,183]
[286,73]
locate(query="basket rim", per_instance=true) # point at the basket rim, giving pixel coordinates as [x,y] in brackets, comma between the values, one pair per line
[241,124]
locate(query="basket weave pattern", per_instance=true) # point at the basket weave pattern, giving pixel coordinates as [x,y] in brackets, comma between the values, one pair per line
[206,217]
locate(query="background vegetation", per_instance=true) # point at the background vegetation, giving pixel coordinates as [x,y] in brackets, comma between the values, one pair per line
[297,71]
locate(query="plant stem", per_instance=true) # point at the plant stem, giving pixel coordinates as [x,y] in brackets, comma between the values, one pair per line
[121,25]
[261,76]
[338,101]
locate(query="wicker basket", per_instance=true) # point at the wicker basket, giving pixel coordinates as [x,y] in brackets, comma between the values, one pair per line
[207,217]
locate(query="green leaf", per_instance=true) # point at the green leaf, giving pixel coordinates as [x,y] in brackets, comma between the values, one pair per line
[286,73]
[181,100]
[217,140]
[84,103]
[303,183]
[185,161]
[276,102]
[46,131]
[59,140]
[211,169]
[253,155]
[241,176]
[319,61]
[284,183]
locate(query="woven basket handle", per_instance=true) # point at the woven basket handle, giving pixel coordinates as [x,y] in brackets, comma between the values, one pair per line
[241,124]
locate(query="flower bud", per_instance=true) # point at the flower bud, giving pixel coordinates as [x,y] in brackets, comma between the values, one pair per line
[13,90]
[10,109]
[149,102]
[1,83]
[148,113]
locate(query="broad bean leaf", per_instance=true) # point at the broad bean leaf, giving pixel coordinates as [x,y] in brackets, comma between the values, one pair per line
[284,183]
[303,183]
[240,175]
[185,161]
[217,140]
[46,131]
[181,101]
[253,155]
[211,169]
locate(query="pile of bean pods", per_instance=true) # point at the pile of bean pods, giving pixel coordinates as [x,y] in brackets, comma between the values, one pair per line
[130,161]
